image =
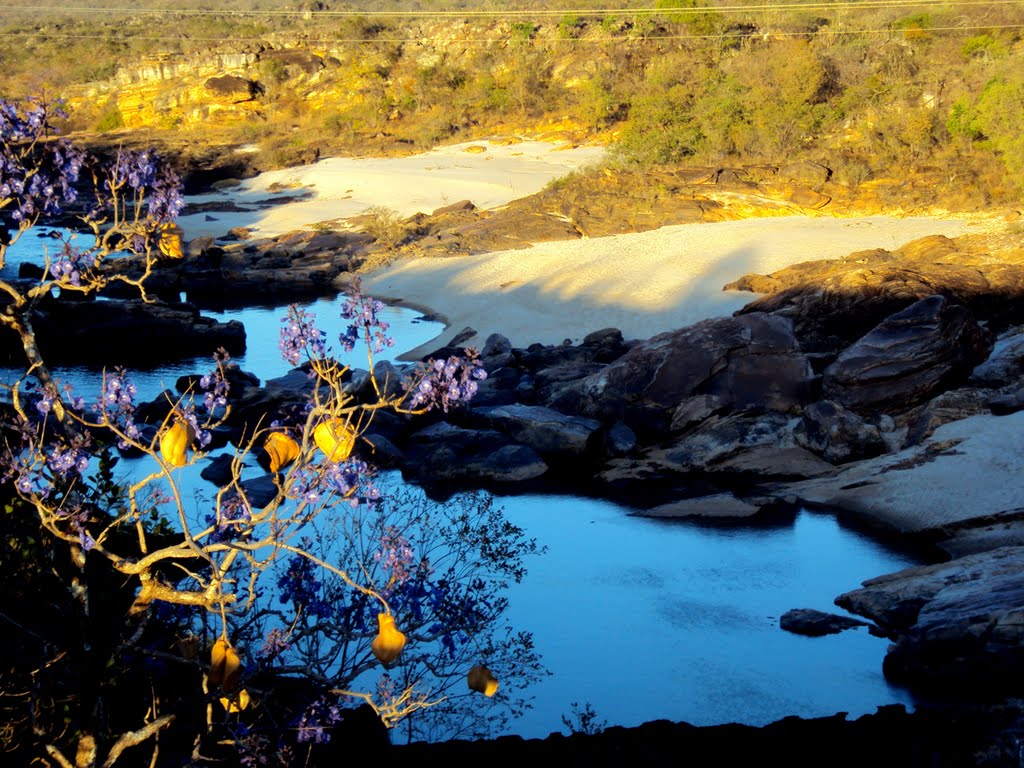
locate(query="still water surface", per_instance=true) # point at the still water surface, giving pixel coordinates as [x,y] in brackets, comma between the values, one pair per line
[643,619]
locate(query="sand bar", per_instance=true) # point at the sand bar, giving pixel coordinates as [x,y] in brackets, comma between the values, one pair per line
[642,284]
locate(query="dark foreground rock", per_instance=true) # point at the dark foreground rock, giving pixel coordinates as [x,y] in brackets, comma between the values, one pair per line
[958,626]
[934,738]
[812,623]
[124,333]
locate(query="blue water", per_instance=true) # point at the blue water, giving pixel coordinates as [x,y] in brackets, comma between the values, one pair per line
[642,619]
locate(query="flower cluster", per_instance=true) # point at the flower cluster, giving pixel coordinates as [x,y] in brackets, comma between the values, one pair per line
[117,405]
[214,385]
[275,643]
[70,264]
[67,461]
[365,325]
[233,517]
[300,585]
[313,724]
[395,554]
[144,174]
[447,382]
[348,480]
[300,335]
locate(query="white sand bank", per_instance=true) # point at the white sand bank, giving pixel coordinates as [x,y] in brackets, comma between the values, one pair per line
[643,283]
[340,187]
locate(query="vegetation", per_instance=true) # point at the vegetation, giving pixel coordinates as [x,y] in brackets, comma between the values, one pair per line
[862,89]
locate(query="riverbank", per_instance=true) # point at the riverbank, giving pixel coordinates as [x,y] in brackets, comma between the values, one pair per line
[643,283]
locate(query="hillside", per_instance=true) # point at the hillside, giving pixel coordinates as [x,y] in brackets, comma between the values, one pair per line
[867,90]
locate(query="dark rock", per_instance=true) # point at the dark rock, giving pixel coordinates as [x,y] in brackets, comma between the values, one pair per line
[953,405]
[620,440]
[1005,404]
[443,453]
[694,410]
[722,437]
[1005,366]
[607,343]
[958,625]
[379,451]
[837,434]
[930,346]
[124,333]
[305,62]
[749,361]
[833,302]
[812,623]
[722,506]
[462,206]
[232,88]
[547,431]
[218,470]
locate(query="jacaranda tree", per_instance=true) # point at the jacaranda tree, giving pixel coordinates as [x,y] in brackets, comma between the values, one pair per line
[172,628]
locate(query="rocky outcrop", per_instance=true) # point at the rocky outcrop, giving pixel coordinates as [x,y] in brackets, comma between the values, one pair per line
[124,333]
[908,357]
[813,623]
[750,361]
[958,625]
[442,455]
[837,434]
[833,302]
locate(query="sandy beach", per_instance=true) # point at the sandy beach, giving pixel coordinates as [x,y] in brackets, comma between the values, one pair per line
[642,284]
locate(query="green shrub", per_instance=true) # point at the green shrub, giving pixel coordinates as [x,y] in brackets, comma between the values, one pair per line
[110,120]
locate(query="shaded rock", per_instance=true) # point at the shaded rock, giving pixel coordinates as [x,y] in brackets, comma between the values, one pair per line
[721,437]
[218,470]
[694,410]
[1005,404]
[833,302]
[1005,365]
[259,491]
[921,422]
[912,355]
[379,451]
[812,623]
[749,361]
[771,462]
[459,207]
[443,453]
[957,625]
[717,507]
[232,88]
[837,434]
[620,440]
[547,431]
[124,333]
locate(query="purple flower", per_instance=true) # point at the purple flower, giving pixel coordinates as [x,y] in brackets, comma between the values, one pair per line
[444,383]
[300,335]
[362,311]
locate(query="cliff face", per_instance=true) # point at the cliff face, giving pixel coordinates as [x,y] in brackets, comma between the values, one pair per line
[374,76]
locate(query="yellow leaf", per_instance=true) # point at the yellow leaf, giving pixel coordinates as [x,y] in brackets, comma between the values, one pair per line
[480,679]
[174,443]
[237,703]
[218,656]
[335,438]
[281,449]
[389,642]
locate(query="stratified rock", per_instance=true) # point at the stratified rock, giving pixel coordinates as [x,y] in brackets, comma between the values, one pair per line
[749,361]
[832,302]
[231,88]
[723,437]
[1005,366]
[812,623]
[911,356]
[837,434]
[953,405]
[805,172]
[443,454]
[545,430]
[957,625]
[721,506]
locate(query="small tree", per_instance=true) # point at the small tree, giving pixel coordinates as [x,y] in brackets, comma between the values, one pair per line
[219,606]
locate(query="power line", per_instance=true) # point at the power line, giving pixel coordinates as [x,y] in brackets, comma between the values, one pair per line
[500,40]
[824,5]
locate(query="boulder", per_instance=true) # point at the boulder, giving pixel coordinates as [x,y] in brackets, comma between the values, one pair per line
[443,454]
[956,404]
[812,623]
[124,333]
[837,434]
[722,437]
[911,356]
[232,88]
[833,302]
[545,430]
[957,625]
[721,506]
[749,361]
[1005,366]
